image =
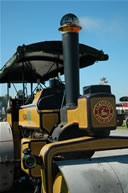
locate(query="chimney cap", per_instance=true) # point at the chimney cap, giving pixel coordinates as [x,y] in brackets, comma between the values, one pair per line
[69,19]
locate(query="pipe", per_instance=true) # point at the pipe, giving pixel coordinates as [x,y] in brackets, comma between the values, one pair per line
[70,28]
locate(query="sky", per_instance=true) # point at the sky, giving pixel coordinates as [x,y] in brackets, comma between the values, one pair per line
[104,27]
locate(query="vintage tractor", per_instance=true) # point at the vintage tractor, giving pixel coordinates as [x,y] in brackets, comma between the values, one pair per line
[50,136]
[122,111]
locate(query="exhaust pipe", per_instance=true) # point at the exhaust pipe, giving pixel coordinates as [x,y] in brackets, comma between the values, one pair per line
[69,29]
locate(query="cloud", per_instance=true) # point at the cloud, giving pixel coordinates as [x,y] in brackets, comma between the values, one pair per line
[117,27]
[91,23]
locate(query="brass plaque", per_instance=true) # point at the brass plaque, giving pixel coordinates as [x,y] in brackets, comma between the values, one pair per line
[103,112]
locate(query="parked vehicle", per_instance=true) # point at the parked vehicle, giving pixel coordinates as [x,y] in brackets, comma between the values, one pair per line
[122,111]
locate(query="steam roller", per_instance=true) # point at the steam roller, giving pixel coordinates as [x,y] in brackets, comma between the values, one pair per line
[55,139]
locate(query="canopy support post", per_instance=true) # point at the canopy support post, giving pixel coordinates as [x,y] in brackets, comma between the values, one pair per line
[23,82]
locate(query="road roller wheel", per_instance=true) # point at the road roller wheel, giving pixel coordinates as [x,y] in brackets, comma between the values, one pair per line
[60,185]
[96,175]
[6,157]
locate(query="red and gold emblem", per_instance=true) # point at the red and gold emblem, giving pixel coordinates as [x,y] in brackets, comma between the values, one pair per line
[103,111]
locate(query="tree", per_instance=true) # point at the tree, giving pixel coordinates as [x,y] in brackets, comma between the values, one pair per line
[3,106]
[20,93]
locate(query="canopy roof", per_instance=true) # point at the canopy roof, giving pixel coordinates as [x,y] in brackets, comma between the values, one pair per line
[42,61]
[124,98]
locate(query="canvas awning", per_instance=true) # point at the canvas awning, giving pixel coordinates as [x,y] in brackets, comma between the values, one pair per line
[43,61]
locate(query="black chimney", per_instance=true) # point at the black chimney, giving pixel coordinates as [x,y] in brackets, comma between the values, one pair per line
[70,28]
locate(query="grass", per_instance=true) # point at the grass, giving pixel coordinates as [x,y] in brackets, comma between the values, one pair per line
[123,126]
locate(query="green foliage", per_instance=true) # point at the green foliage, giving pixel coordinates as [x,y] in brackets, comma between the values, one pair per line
[3,107]
[20,93]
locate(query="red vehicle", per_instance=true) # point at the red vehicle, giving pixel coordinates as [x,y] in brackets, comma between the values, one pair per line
[122,111]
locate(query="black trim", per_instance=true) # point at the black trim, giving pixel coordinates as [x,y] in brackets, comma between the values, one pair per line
[32,128]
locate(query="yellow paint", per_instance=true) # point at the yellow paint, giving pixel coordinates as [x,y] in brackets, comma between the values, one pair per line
[49,120]
[50,111]
[60,185]
[37,96]
[29,117]
[79,114]
[9,118]
[35,146]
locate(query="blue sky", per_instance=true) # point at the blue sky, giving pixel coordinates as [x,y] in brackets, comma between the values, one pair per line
[105,27]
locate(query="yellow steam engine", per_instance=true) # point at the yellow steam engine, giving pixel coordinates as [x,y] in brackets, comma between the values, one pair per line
[51,135]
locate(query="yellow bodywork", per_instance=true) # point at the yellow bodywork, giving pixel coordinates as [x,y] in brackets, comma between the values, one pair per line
[79,114]
[9,118]
[31,117]
[100,114]
[49,119]
[37,96]
[29,114]
[93,112]
[60,184]
[35,145]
